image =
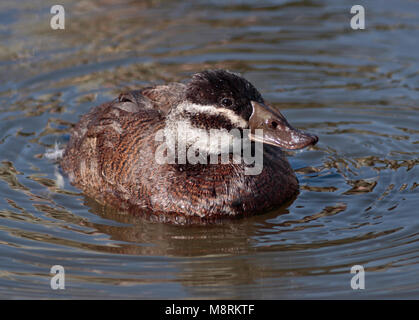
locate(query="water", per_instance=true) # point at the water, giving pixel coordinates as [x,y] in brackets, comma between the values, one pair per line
[356,90]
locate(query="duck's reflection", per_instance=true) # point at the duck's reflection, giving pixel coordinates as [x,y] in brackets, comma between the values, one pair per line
[140,236]
[205,257]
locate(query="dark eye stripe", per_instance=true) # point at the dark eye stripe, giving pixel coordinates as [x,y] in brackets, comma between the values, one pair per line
[209,121]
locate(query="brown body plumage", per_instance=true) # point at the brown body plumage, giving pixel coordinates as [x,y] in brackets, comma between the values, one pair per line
[110,156]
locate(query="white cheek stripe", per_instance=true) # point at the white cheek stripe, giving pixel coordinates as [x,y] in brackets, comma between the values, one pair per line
[209,141]
[208,109]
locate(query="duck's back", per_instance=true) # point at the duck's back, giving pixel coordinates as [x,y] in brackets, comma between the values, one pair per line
[102,141]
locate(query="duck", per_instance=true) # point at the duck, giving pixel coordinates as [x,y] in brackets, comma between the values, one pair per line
[112,151]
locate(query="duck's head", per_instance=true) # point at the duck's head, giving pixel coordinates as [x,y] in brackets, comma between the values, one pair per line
[221,100]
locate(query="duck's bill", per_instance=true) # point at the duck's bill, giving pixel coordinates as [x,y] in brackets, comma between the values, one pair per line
[276,130]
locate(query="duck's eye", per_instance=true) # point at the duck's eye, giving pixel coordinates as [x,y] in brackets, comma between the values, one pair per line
[226,102]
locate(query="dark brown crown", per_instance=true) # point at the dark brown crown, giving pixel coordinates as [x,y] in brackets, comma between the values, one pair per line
[223,89]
